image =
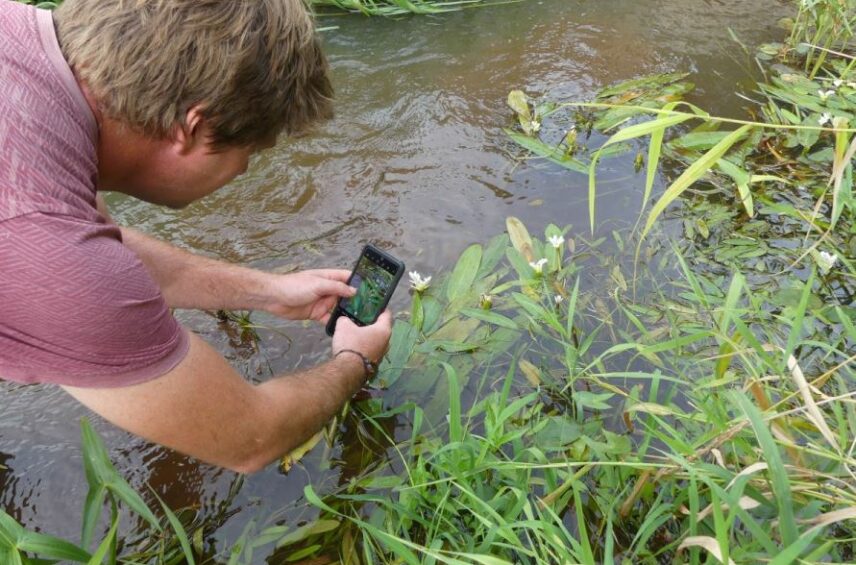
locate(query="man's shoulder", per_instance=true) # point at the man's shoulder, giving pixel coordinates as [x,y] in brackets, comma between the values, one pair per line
[48,160]
[60,252]
[77,306]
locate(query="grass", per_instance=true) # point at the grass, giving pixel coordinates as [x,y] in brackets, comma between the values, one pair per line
[546,404]
[719,449]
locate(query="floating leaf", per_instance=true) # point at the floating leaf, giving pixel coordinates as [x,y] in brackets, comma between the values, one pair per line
[531,372]
[490,317]
[314,528]
[520,238]
[550,152]
[464,273]
[288,461]
[518,102]
[652,408]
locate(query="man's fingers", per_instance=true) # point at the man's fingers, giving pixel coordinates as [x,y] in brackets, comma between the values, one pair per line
[385,318]
[335,288]
[341,275]
[344,321]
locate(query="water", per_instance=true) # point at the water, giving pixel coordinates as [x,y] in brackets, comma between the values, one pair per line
[415,161]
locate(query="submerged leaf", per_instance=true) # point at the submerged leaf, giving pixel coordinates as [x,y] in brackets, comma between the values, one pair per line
[288,461]
[531,372]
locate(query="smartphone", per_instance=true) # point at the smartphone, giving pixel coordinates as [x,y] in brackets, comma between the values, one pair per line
[375,277]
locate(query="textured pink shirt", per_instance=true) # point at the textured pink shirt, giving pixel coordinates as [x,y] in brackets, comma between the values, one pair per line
[77,307]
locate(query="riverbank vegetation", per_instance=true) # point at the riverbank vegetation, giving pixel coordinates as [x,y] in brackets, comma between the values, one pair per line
[682,391]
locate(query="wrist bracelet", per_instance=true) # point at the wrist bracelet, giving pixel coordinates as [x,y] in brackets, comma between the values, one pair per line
[369,366]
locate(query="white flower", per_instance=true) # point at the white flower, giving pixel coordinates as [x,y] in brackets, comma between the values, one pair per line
[535,125]
[837,82]
[556,241]
[824,94]
[851,84]
[824,119]
[538,266]
[417,283]
[558,299]
[826,261]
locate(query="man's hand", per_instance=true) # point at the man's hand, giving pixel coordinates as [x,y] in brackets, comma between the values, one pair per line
[308,295]
[372,341]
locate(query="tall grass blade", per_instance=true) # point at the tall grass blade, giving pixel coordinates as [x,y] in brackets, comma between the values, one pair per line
[179,530]
[455,426]
[778,474]
[101,473]
[50,547]
[693,173]
[105,545]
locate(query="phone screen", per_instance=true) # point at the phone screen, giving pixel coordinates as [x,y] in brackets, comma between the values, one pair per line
[373,282]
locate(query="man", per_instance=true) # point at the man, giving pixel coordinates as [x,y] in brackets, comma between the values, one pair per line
[163,100]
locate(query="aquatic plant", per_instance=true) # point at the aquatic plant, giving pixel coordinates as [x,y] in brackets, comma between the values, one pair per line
[543,403]
[164,543]
[712,416]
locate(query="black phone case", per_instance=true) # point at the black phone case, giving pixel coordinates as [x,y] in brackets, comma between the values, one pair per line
[399,271]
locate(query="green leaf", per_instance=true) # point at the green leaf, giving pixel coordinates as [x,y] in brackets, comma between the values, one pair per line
[52,548]
[464,273]
[778,474]
[741,178]
[552,153]
[490,317]
[652,82]
[693,173]
[524,270]
[558,433]
[101,473]
[595,401]
[319,526]
[455,425]
[179,530]
[417,314]
[401,345]
[104,546]
[647,128]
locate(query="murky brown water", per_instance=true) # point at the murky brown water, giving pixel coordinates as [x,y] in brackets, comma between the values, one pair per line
[415,161]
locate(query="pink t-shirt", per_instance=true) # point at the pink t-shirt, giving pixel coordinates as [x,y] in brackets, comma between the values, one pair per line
[77,307]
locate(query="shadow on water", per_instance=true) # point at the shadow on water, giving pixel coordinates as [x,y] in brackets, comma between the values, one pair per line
[416,162]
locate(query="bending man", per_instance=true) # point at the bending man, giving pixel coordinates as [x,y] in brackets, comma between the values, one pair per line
[163,100]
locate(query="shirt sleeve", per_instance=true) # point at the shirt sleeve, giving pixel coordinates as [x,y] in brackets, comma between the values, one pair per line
[78,308]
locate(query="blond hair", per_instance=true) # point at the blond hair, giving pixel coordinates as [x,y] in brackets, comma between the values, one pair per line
[255,66]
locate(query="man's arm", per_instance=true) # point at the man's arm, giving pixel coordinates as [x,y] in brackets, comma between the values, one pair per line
[196,282]
[203,408]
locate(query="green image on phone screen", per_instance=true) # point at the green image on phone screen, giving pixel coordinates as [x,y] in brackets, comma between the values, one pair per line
[372,283]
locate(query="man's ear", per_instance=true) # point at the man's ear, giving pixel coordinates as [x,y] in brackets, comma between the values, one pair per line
[190,134]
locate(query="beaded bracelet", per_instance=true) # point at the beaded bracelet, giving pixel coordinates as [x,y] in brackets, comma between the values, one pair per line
[369,366]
